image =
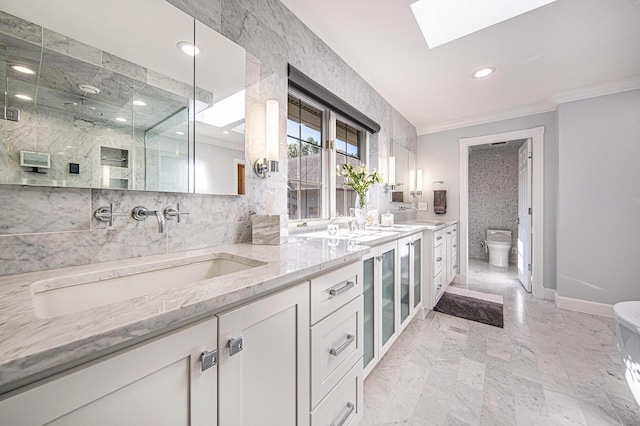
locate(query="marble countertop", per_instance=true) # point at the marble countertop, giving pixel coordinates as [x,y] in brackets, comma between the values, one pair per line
[32,347]
[375,235]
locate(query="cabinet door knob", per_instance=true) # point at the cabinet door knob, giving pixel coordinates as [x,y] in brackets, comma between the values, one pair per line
[209,359]
[337,351]
[343,420]
[438,259]
[438,238]
[235,346]
[379,258]
[338,291]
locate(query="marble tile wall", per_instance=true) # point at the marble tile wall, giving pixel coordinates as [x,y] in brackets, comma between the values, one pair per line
[493,195]
[45,228]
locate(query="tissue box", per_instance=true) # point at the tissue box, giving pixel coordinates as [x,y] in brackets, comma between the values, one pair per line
[269,229]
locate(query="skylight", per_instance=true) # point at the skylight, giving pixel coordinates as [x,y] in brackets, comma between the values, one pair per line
[442,21]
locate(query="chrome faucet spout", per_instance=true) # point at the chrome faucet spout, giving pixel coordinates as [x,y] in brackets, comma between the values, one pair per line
[141,213]
[160,217]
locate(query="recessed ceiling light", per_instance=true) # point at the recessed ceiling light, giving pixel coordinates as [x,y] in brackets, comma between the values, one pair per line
[442,21]
[188,48]
[121,119]
[226,132]
[22,69]
[139,103]
[483,72]
[24,97]
[179,133]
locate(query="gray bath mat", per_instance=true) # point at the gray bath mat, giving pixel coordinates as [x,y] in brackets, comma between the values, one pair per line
[472,305]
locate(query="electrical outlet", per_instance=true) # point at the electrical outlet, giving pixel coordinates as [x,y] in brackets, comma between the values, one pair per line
[423,205]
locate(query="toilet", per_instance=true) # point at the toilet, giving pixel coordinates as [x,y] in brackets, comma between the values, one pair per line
[627,316]
[498,244]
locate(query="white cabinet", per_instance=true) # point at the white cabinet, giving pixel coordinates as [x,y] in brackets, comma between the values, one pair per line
[410,276]
[289,358]
[337,346]
[160,382]
[264,361]
[393,292]
[440,262]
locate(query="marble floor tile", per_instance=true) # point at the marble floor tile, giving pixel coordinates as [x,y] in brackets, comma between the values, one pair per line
[546,367]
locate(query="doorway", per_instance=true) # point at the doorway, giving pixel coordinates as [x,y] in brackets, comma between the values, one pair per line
[532,276]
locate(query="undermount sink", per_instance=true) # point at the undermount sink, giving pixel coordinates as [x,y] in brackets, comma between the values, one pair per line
[75,293]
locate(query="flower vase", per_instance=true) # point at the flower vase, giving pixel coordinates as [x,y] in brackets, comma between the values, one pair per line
[361,214]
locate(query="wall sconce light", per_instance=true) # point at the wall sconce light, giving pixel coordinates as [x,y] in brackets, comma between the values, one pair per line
[416,188]
[266,165]
[391,180]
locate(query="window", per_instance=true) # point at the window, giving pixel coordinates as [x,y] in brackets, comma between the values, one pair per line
[312,163]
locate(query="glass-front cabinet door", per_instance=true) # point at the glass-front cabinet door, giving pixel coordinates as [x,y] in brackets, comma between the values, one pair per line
[404,257]
[417,270]
[388,294]
[370,341]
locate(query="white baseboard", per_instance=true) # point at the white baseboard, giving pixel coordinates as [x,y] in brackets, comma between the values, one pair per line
[584,306]
[549,294]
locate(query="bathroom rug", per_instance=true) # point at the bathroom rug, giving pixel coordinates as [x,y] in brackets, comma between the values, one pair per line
[472,305]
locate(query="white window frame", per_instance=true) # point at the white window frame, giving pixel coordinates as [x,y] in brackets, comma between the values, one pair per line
[329,161]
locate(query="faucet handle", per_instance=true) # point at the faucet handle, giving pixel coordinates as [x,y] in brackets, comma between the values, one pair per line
[170,212]
[106,214]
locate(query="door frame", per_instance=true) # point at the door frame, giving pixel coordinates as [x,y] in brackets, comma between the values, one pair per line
[536,134]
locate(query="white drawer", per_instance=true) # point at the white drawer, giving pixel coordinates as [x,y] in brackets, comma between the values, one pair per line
[344,404]
[438,237]
[334,290]
[336,345]
[438,259]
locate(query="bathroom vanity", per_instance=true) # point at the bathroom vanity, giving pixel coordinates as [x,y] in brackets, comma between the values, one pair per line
[286,332]
[281,338]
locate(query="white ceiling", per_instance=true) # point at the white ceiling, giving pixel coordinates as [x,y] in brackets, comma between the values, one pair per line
[564,51]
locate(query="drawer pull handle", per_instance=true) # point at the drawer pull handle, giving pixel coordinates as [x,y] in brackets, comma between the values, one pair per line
[455,245]
[438,259]
[343,420]
[449,233]
[337,351]
[338,291]
[438,238]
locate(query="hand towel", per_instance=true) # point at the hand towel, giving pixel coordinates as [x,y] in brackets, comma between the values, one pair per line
[440,201]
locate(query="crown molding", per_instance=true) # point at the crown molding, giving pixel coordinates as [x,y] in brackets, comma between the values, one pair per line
[602,89]
[489,117]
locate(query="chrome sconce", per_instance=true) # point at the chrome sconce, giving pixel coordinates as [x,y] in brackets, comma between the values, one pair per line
[415,180]
[265,166]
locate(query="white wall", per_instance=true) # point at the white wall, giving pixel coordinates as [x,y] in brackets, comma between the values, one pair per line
[439,159]
[599,199]
[215,168]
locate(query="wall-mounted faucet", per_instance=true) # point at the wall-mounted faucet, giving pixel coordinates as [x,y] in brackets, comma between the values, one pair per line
[141,213]
[404,208]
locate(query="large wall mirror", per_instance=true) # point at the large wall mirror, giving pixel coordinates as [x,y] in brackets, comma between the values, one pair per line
[405,169]
[119,94]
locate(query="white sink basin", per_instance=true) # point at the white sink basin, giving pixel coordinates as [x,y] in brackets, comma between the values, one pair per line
[75,293]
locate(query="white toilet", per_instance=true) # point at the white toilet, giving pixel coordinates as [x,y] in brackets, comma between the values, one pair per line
[627,316]
[498,244]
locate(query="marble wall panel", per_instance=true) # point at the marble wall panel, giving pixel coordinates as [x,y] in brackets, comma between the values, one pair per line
[29,209]
[41,251]
[493,195]
[68,46]
[19,28]
[272,37]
